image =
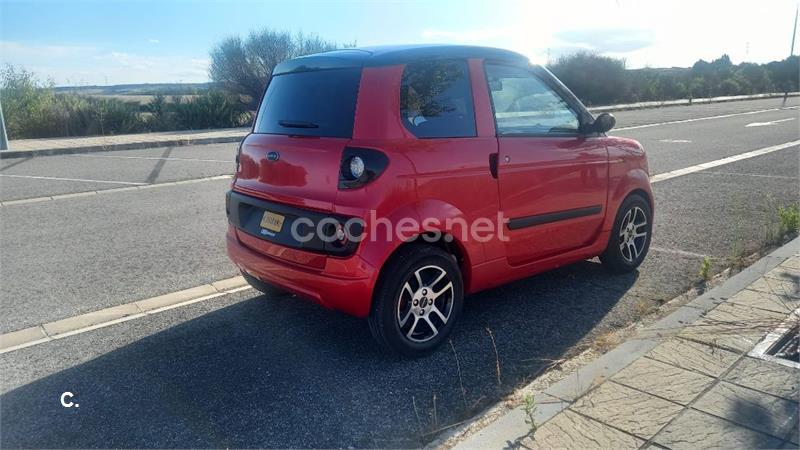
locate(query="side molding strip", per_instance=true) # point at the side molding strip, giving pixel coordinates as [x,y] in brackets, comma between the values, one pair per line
[540,219]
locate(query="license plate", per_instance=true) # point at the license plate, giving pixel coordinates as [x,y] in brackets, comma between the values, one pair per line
[272,221]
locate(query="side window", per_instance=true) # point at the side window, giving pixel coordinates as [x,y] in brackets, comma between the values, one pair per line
[436,99]
[524,104]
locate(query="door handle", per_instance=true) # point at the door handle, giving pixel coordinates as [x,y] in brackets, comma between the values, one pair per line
[493,164]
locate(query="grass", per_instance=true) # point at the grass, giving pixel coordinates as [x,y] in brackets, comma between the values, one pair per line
[789,218]
[529,407]
[705,268]
[606,341]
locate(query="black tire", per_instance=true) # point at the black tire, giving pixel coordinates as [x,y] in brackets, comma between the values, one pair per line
[619,259]
[391,299]
[261,286]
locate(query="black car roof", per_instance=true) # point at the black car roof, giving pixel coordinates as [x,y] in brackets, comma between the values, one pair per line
[394,54]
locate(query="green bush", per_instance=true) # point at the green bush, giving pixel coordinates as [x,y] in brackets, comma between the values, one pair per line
[212,109]
[32,109]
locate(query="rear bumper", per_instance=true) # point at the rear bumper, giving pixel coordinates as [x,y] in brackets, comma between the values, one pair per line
[344,284]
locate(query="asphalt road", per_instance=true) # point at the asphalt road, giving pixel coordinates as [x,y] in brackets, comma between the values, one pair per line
[249,371]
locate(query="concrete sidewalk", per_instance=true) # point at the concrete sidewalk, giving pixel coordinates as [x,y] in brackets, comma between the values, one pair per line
[59,146]
[695,379]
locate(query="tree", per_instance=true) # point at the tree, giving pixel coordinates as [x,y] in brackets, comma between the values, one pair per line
[595,79]
[243,66]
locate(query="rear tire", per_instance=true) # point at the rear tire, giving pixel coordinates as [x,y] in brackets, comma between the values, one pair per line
[417,300]
[630,237]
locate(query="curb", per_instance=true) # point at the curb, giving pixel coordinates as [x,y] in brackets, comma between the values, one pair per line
[560,395]
[58,329]
[687,102]
[7,154]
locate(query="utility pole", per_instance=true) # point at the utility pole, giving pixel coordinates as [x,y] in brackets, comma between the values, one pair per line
[794,30]
[791,49]
[3,136]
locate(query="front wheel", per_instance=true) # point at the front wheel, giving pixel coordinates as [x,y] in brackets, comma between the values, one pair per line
[417,301]
[630,237]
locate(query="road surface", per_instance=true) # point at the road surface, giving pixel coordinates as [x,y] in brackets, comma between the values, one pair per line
[247,370]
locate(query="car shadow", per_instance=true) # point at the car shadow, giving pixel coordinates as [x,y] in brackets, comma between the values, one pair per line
[278,372]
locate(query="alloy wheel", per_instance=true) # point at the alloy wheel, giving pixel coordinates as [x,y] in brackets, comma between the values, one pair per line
[633,234]
[425,303]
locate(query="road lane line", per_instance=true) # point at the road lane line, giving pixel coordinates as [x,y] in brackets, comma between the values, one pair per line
[765,124]
[70,179]
[112,190]
[720,162]
[675,251]
[654,179]
[90,155]
[756,175]
[697,119]
[82,323]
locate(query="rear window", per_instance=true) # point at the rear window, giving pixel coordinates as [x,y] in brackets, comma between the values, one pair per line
[436,99]
[316,103]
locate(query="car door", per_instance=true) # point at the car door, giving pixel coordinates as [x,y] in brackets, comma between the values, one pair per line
[552,179]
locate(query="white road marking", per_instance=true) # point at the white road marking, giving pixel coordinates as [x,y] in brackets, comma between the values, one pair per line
[757,175]
[676,141]
[38,334]
[697,119]
[720,162]
[112,190]
[90,155]
[766,124]
[676,252]
[71,179]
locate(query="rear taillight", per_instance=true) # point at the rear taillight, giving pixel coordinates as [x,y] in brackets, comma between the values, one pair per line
[359,166]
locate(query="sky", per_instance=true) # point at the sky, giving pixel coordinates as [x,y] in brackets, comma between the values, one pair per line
[88,42]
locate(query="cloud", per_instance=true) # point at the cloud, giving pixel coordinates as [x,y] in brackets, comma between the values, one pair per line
[607,40]
[87,65]
[153,41]
[466,36]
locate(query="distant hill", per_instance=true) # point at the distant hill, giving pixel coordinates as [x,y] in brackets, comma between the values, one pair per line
[137,89]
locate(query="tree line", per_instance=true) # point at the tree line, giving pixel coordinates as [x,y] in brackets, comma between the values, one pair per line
[602,80]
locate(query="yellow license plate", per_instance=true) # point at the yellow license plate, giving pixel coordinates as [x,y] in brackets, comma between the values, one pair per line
[272,221]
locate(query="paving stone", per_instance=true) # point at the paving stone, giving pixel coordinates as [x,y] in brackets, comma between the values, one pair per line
[663,380]
[792,263]
[784,273]
[697,430]
[734,327]
[766,376]
[794,435]
[764,412]
[694,356]
[763,300]
[571,430]
[784,286]
[636,412]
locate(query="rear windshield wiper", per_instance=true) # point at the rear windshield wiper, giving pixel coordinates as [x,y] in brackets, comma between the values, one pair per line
[297,124]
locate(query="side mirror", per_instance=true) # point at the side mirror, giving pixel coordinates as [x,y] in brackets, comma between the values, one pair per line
[603,123]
